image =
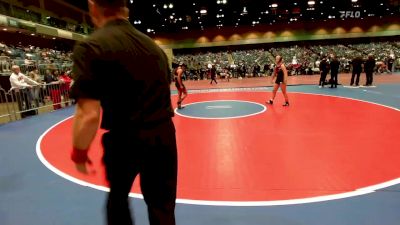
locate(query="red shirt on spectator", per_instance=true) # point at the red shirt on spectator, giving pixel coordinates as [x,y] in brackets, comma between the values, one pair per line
[67,82]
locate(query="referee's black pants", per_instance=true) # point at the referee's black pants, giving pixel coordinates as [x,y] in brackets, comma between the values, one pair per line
[152,153]
[357,76]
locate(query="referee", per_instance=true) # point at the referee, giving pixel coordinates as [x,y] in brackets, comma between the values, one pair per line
[122,72]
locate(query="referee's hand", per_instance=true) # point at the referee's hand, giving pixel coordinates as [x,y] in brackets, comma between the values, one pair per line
[85,168]
[82,162]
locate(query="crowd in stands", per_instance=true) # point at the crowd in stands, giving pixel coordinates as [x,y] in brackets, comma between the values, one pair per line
[243,63]
[33,58]
[299,60]
[37,76]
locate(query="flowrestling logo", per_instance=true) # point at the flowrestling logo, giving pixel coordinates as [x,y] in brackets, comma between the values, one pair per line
[350,14]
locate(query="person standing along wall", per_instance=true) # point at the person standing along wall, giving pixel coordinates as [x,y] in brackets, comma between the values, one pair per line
[369,68]
[213,74]
[22,85]
[53,83]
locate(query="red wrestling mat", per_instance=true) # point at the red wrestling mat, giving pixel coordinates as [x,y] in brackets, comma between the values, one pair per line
[318,146]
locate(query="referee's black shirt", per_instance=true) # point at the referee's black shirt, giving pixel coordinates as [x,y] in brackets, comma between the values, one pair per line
[127,72]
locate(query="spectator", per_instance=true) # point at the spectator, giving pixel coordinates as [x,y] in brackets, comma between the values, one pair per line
[66,82]
[213,74]
[21,85]
[53,86]
[390,63]
[37,98]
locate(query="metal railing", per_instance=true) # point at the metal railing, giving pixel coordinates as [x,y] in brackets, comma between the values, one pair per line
[17,104]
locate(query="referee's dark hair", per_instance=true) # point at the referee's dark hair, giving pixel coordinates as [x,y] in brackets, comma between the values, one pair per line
[114,4]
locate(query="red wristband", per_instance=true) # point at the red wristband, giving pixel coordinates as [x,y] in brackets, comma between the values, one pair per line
[79,156]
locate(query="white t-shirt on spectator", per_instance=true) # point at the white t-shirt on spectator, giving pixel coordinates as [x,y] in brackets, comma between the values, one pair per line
[20,81]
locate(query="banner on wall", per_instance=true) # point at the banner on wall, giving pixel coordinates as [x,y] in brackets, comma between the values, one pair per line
[64,34]
[46,30]
[78,37]
[27,25]
[12,22]
[3,20]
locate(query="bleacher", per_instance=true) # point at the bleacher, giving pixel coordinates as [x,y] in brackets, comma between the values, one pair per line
[299,59]
[31,58]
